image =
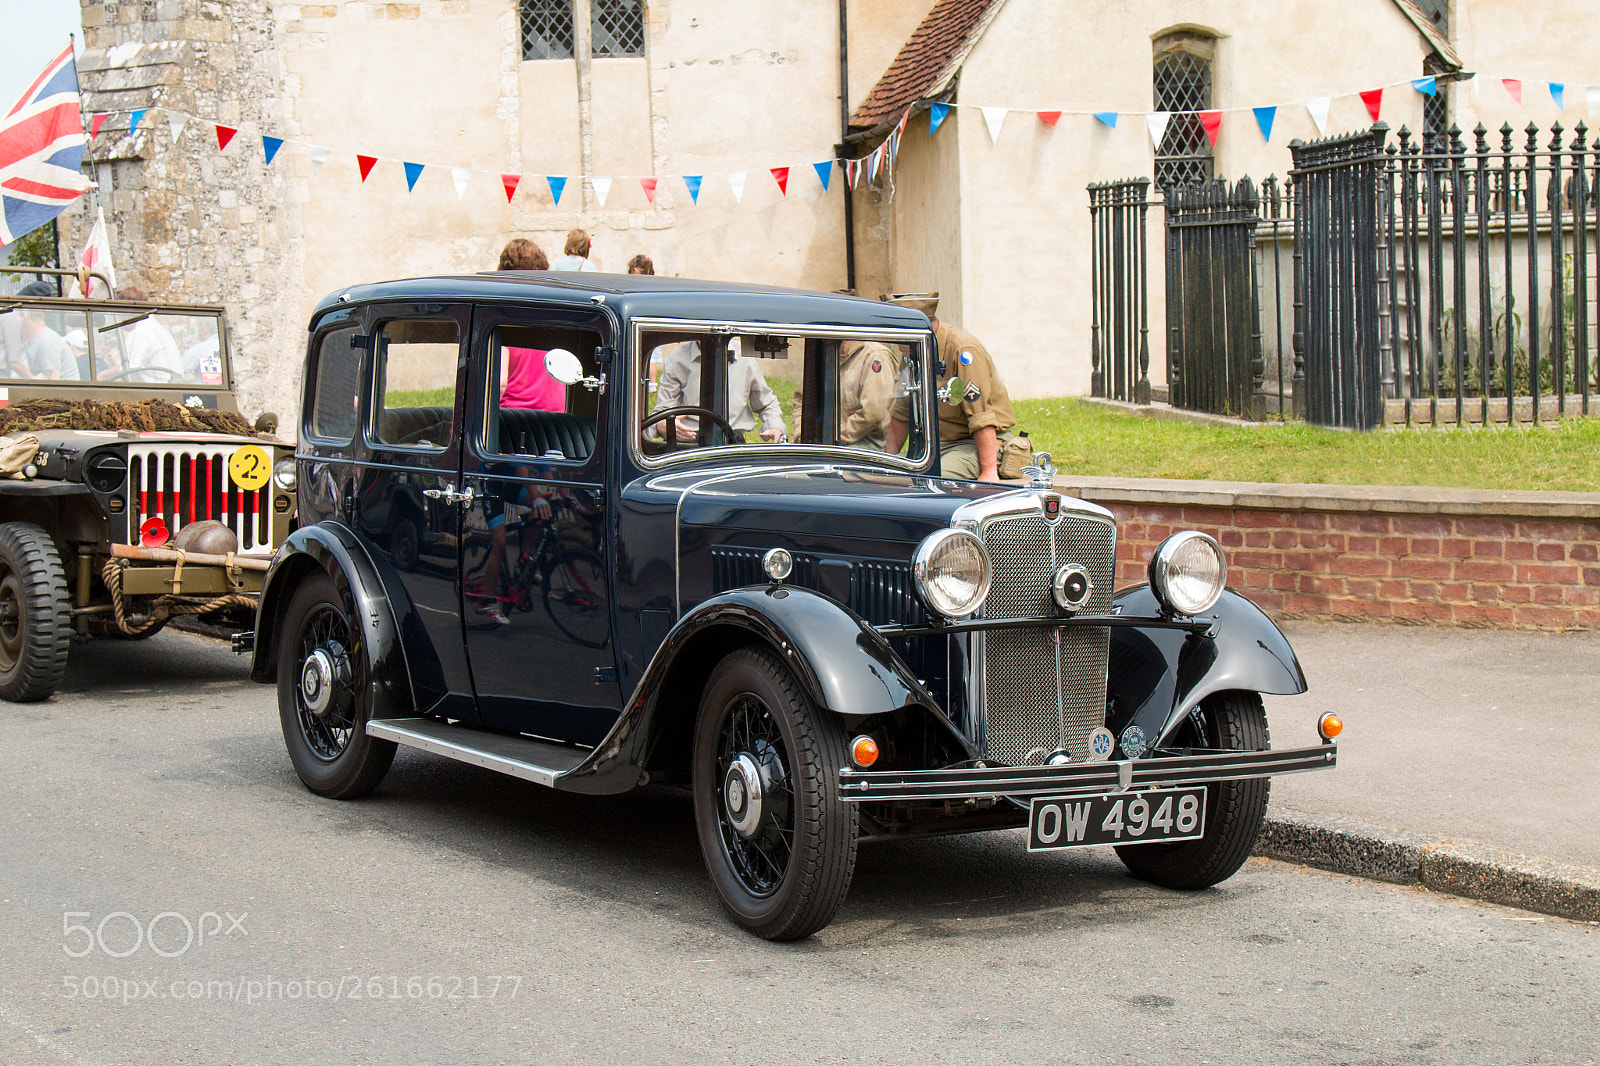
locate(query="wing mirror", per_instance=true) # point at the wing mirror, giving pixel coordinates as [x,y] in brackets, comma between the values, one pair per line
[565,368]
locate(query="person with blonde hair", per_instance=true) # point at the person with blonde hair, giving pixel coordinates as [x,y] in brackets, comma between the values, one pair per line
[577,253]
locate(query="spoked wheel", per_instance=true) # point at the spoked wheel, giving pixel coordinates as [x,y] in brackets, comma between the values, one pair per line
[321,697]
[35,614]
[778,841]
[575,596]
[1234,809]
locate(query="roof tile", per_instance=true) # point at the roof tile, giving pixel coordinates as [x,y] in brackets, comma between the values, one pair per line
[940,37]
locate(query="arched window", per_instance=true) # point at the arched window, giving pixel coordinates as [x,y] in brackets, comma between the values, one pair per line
[1183,87]
[616,28]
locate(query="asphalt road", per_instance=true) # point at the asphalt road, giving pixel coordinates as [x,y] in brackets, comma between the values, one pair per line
[481,919]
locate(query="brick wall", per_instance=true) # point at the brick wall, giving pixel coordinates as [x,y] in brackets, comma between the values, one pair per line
[1524,560]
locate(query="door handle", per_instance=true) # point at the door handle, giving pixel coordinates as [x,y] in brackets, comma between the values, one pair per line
[449,494]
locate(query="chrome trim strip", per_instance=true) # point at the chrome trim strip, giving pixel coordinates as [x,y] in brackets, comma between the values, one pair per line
[406,731]
[859,785]
[1198,626]
[976,513]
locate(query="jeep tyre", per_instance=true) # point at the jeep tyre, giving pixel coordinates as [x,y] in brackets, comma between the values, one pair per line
[35,614]
[1234,809]
[780,853]
[322,707]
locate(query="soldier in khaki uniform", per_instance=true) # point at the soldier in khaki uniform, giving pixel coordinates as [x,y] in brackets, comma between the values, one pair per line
[868,371]
[974,425]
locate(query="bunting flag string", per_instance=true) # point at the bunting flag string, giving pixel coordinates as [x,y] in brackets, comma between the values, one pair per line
[94,126]
[509,183]
[936,114]
[1264,119]
[1319,112]
[557,184]
[1373,98]
[1050,118]
[736,183]
[365,163]
[994,117]
[319,156]
[1428,86]
[1156,122]
[692,183]
[134,120]
[413,172]
[781,176]
[224,136]
[1211,122]
[824,172]
[270,146]
[1107,118]
[649,187]
[602,189]
[459,176]
[1514,87]
[1558,91]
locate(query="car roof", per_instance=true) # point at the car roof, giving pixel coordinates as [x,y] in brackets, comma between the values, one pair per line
[639,295]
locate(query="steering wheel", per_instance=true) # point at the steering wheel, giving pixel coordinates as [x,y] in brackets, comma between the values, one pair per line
[661,414]
[127,370]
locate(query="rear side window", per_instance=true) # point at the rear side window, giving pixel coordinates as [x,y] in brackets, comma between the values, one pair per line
[414,371]
[335,386]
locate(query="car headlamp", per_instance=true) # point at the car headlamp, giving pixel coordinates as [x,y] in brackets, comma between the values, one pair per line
[952,572]
[283,474]
[1188,572]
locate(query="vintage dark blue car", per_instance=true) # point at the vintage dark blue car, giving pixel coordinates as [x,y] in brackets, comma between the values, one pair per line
[601,531]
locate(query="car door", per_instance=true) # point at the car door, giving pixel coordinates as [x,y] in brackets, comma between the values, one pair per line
[535,587]
[406,492]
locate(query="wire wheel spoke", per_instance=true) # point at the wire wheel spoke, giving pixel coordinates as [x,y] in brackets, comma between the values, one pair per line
[329,733]
[759,856]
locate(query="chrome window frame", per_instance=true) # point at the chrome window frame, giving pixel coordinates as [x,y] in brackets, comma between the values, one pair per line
[635,369]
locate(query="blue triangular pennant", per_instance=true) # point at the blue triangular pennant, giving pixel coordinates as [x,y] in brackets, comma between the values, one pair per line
[692,181]
[1264,118]
[1428,86]
[1109,118]
[1558,91]
[936,114]
[270,146]
[134,119]
[413,172]
[824,173]
[556,185]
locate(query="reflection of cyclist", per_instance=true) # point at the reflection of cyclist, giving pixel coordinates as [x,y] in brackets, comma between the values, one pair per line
[492,602]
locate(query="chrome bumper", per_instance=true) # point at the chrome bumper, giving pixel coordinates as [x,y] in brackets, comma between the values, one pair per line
[859,785]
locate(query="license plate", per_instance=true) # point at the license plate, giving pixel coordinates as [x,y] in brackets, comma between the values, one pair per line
[1151,817]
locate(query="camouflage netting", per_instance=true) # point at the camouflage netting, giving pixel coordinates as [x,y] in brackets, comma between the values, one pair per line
[30,416]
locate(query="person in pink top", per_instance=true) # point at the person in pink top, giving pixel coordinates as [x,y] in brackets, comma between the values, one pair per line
[527,384]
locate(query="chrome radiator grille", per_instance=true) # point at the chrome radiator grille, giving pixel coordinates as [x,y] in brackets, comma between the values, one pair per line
[190,483]
[1043,689]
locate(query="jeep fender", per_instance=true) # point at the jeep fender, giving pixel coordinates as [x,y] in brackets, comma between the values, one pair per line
[1157,676]
[335,550]
[844,665]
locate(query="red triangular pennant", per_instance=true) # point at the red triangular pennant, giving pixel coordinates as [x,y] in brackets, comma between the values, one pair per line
[1211,122]
[1049,118]
[781,175]
[94,125]
[1373,98]
[1514,87]
[366,163]
[225,134]
[510,181]
[649,186]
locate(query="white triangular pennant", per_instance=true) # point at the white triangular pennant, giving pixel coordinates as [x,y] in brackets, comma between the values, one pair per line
[736,183]
[319,156]
[1156,123]
[175,123]
[460,175]
[1319,113]
[874,163]
[995,117]
[1592,97]
[602,189]
[1473,82]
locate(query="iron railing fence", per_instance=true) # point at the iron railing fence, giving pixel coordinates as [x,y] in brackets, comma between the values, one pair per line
[1119,350]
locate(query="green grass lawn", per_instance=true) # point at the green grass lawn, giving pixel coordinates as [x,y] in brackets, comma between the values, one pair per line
[1084,439]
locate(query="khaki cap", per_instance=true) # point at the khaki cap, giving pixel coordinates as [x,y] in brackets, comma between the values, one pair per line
[926,302]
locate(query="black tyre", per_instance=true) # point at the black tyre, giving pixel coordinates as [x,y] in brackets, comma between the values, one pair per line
[321,696]
[35,614]
[1234,809]
[575,597]
[779,842]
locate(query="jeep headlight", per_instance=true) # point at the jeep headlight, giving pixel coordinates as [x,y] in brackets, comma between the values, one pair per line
[283,473]
[1187,572]
[952,572]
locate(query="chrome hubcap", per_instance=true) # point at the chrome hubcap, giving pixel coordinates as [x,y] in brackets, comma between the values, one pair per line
[316,682]
[741,795]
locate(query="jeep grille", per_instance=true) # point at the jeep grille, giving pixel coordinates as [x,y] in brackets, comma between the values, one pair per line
[1043,690]
[190,483]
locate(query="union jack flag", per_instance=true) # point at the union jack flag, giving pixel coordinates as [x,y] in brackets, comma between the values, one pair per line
[41,151]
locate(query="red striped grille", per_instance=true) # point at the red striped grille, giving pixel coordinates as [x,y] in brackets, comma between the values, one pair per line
[188,484]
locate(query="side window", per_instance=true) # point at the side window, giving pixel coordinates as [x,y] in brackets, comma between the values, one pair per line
[530,413]
[335,382]
[1182,88]
[414,379]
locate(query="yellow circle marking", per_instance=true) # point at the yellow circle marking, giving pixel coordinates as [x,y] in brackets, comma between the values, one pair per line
[250,467]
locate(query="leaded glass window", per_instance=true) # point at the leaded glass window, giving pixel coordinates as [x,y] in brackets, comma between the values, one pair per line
[546,29]
[1182,88]
[617,27]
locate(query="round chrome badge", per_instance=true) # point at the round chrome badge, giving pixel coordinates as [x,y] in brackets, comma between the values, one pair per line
[1133,742]
[1071,587]
[1101,743]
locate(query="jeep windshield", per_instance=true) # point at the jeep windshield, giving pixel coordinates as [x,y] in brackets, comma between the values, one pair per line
[703,386]
[57,342]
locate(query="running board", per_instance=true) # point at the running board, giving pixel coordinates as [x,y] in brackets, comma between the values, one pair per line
[538,761]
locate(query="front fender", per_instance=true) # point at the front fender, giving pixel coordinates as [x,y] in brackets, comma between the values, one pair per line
[1157,676]
[844,665]
[336,551]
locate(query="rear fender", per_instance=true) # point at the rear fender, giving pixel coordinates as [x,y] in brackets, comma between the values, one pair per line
[336,551]
[844,665]
[1157,676]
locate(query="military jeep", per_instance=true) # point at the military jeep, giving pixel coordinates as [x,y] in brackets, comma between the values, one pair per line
[148,495]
